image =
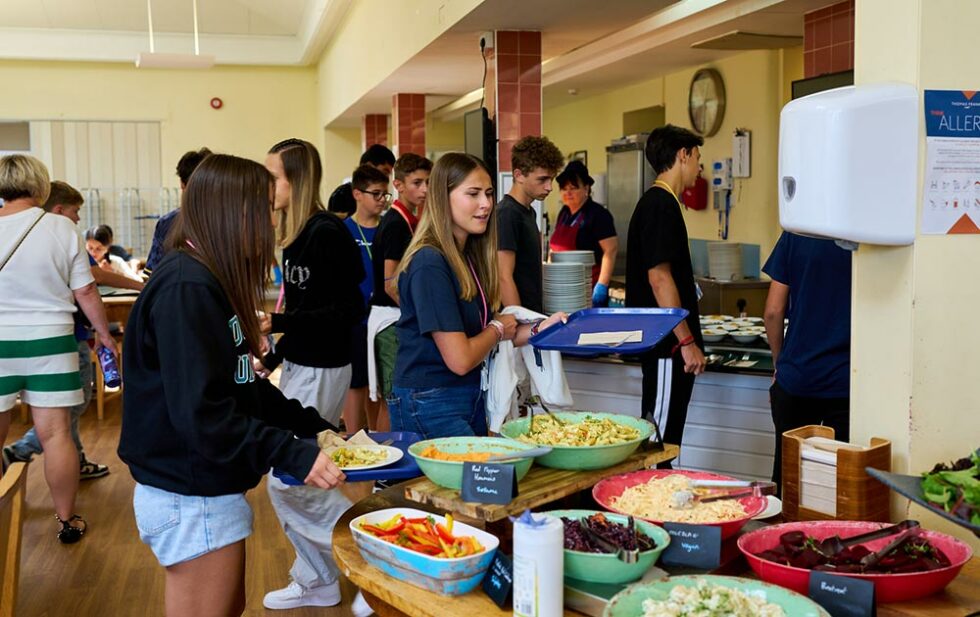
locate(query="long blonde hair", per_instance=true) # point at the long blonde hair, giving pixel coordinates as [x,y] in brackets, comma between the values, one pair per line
[436,230]
[301,164]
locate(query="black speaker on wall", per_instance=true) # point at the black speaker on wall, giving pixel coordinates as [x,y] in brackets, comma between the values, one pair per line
[480,139]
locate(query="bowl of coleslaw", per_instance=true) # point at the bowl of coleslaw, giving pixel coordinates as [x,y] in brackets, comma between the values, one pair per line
[581,440]
[710,596]
[648,495]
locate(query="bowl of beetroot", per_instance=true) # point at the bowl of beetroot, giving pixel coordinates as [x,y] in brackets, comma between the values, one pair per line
[586,561]
[922,563]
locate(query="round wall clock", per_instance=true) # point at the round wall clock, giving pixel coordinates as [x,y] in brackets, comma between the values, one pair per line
[706,102]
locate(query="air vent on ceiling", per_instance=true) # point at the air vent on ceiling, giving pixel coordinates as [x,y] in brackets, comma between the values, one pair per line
[737,40]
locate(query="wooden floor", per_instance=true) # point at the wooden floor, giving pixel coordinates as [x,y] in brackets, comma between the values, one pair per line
[110,572]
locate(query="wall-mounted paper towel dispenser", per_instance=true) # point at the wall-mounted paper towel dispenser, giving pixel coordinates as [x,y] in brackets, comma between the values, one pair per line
[848,164]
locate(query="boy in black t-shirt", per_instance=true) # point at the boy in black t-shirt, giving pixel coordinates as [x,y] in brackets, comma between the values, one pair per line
[535,161]
[659,273]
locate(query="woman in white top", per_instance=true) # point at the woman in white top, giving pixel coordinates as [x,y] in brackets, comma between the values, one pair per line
[44,271]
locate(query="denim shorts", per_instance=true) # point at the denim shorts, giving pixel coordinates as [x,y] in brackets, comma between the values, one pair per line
[183,527]
[457,411]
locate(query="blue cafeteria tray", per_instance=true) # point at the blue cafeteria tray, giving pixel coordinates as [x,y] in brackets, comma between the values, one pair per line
[404,469]
[655,323]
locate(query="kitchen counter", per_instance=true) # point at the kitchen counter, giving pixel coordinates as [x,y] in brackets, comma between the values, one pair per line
[729,426]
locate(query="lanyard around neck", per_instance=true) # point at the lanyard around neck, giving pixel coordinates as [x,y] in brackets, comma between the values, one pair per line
[483,296]
[667,188]
[367,245]
[398,208]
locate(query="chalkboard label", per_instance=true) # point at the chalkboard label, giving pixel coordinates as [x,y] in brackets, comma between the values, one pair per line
[488,483]
[842,596]
[694,546]
[499,580]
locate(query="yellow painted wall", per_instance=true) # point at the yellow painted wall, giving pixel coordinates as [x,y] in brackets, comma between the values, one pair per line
[261,105]
[754,87]
[365,50]
[443,136]
[341,152]
[913,363]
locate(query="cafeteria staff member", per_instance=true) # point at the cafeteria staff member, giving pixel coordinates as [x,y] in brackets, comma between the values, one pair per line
[584,225]
[449,289]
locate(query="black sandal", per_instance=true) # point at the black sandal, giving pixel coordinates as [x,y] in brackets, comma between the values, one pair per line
[70,534]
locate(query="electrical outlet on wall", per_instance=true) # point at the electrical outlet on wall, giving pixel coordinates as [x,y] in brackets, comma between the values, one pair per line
[486,40]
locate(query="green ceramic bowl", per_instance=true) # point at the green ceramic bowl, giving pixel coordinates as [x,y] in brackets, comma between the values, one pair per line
[607,568]
[629,602]
[449,474]
[584,457]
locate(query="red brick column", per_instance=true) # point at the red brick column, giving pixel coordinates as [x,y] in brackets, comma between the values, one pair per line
[408,123]
[374,130]
[828,39]
[515,87]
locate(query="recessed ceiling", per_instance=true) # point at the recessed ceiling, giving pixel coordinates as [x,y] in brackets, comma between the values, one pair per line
[242,17]
[452,66]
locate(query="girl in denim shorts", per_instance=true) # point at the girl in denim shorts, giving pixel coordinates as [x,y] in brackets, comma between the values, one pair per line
[199,429]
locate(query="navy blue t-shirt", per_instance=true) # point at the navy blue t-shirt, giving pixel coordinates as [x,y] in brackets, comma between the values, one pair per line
[364,237]
[816,353]
[430,302]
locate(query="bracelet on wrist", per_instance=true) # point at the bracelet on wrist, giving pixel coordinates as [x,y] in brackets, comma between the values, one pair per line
[687,341]
[498,327]
[536,327]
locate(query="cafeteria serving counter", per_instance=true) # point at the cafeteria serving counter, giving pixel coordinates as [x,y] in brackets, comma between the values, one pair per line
[729,426]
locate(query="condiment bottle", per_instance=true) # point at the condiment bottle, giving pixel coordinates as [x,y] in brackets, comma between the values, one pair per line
[538,566]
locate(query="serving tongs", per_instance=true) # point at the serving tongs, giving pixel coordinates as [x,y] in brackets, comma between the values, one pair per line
[834,545]
[687,498]
[622,554]
[540,403]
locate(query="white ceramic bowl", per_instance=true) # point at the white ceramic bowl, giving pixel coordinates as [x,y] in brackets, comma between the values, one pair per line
[744,336]
[713,335]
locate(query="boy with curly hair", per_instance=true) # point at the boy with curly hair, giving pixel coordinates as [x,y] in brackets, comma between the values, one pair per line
[535,162]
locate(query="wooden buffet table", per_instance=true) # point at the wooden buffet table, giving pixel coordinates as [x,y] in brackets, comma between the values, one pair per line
[393,598]
[117,307]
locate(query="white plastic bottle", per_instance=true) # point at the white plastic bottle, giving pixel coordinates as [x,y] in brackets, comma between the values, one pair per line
[538,566]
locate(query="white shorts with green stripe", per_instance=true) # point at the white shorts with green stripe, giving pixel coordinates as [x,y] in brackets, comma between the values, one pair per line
[40,363]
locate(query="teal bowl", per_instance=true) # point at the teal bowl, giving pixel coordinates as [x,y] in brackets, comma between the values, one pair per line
[629,602]
[449,474]
[605,567]
[584,457]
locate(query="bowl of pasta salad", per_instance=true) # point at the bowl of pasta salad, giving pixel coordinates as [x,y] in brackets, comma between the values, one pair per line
[648,495]
[580,440]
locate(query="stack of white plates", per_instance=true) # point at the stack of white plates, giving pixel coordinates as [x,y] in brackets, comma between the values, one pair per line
[577,257]
[567,286]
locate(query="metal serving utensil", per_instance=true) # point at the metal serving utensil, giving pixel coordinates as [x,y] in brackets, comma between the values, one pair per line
[624,555]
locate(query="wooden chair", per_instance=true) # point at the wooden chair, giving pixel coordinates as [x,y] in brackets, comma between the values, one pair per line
[13,490]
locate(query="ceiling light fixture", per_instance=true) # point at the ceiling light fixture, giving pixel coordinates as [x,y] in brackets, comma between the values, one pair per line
[153,60]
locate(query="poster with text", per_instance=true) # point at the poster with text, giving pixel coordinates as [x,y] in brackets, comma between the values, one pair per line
[951,199]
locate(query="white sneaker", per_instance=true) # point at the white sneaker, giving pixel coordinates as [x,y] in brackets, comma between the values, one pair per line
[295,596]
[359,607]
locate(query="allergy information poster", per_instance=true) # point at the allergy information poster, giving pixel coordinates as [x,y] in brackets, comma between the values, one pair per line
[951,200]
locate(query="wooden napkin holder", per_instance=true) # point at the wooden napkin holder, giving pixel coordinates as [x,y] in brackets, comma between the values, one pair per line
[859,496]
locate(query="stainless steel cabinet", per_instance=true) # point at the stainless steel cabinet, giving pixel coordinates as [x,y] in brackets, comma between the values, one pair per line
[629,176]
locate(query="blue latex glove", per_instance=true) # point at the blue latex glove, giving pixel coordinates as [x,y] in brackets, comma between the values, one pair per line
[600,295]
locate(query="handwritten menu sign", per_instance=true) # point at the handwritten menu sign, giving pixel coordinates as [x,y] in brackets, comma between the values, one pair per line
[694,546]
[488,483]
[499,579]
[842,596]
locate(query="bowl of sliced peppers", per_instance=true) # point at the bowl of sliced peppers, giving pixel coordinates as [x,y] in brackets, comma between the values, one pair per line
[423,549]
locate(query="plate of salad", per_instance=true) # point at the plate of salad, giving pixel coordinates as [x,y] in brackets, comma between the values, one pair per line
[951,490]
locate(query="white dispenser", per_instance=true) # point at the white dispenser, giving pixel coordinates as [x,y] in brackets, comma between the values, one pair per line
[848,164]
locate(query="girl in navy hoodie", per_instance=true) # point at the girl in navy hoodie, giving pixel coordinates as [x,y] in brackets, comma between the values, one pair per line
[198,428]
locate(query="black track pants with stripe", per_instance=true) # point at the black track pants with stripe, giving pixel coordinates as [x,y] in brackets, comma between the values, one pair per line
[666,394]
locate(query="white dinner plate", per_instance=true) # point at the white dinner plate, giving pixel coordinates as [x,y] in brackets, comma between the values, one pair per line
[394,455]
[774,506]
